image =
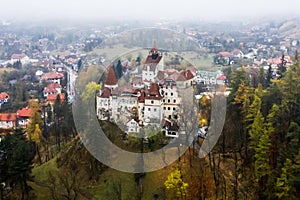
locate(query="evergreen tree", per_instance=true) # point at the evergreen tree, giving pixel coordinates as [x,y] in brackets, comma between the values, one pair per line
[19,156]
[284,189]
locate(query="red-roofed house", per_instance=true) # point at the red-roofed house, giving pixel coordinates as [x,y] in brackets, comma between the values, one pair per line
[53,77]
[3,98]
[152,108]
[53,88]
[51,98]
[23,117]
[185,79]
[8,120]
[103,103]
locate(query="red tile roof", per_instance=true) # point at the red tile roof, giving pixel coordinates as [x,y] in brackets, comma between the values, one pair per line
[173,76]
[185,75]
[3,95]
[52,87]
[52,97]
[225,54]
[154,56]
[105,93]
[51,75]
[137,80]
[222,77]
[111,77]
[152,60]
[24,112]
[18,56]
[154,90]
[8,116]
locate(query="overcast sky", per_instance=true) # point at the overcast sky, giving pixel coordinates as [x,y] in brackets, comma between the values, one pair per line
[138,9]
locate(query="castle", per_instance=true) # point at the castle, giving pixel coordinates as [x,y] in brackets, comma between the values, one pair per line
[149,98]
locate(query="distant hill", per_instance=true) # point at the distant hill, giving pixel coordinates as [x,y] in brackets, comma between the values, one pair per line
[290,28]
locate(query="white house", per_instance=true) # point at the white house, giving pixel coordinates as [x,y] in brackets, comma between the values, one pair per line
[52,88]
[132,126]
[23,58]
[185,79]
[171,101]
[8,120]
[103,103]
[153,105]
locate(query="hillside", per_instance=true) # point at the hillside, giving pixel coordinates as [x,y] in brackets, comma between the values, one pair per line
[76,171]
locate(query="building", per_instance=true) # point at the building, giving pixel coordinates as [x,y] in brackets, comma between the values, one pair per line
[23,58]
[23,116]
[111,80]
[8,120]
[52,88]
[148,99]
[52,77]
[3,98]
[151,66]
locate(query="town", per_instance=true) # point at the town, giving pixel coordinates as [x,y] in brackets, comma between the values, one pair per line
[162,78]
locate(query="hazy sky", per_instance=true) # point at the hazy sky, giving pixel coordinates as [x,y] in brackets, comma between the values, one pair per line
[41,9]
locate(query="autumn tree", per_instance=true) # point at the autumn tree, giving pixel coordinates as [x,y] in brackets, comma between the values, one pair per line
[176,184]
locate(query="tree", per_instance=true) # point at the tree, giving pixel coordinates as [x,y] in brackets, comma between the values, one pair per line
[19,156]
[284,190]
[34,118]
[118,69]
[175,183]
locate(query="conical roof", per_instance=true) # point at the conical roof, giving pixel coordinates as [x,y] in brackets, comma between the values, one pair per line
[111,79]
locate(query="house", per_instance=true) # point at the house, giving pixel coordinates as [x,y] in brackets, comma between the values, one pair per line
[52,88]
[137,82]
[185,79]
[171,101]
[132,126]
[51,98]
[223,58]
[3,98]
[8,120]
[153,105]
[52,77]
[209,78]
[171,128]
[103,103]
[23,116]
[23,58]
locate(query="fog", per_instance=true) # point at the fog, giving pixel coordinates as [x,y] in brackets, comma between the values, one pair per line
[138,9]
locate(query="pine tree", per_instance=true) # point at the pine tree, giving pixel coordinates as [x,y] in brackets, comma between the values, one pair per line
[283,189]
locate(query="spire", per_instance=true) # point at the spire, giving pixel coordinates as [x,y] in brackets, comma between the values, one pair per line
[154,50]
[111,79]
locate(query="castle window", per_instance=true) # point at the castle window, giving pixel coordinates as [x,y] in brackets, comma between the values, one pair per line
[149,109]
[174,100]
[152,102]
[171,93]
[169,108]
